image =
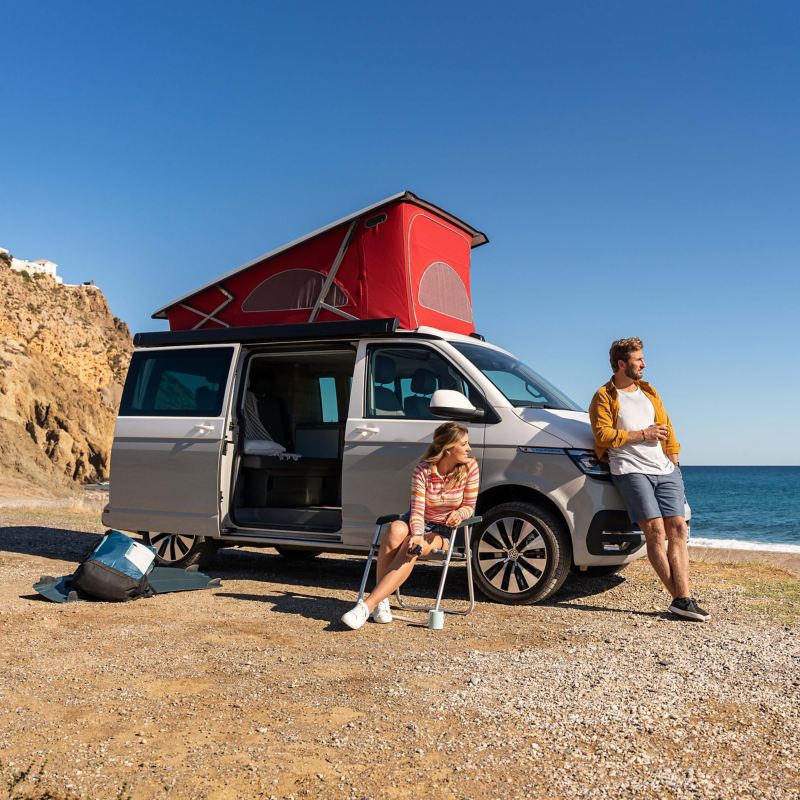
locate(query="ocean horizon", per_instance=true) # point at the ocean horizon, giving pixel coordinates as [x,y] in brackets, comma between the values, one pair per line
[744,507]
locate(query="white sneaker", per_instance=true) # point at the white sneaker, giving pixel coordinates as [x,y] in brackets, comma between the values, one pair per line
[382,612]
[356,616]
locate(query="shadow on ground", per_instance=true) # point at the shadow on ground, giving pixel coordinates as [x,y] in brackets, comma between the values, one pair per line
[232,564]
[333,573]
[339,573]
[57,543]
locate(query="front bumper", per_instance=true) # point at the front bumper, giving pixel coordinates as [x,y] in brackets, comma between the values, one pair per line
[611,533]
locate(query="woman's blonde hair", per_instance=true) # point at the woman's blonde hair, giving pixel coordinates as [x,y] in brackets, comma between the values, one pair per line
[444,437]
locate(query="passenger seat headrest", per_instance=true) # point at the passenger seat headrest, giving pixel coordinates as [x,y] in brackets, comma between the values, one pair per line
[385,370]
[423,381]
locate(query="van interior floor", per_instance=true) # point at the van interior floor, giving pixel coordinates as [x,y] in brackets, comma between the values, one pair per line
[325,519]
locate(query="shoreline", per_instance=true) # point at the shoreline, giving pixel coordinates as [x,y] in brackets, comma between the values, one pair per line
[728,552]
[787,561]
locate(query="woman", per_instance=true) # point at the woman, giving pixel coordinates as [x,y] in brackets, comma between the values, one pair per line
[444,488]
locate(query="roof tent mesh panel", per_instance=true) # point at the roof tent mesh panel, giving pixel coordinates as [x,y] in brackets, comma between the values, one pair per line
[441,289]
[292,290]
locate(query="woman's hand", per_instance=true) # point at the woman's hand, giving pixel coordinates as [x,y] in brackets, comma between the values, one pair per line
[453,519]
[415,542]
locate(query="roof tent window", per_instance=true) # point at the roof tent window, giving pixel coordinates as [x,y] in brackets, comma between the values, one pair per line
[292,290]
[441,289]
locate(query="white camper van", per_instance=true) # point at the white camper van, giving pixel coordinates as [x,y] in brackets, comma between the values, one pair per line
[287,408]
[299,437]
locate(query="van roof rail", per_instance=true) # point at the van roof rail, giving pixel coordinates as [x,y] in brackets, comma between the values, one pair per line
[261,333]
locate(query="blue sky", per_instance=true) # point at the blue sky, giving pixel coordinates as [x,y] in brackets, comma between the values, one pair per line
[635,166]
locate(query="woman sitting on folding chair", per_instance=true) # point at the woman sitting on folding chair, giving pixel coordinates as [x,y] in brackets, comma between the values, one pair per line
[444,489]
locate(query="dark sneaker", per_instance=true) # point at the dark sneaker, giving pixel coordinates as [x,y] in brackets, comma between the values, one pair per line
[687,608]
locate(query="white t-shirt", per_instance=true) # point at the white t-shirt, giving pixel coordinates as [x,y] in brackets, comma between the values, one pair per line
[636,412]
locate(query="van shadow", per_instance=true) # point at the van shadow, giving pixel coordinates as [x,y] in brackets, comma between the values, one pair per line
[343,574]
[578,587]
[56,543]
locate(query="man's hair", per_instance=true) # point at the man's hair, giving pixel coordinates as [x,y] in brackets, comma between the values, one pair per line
[622,348]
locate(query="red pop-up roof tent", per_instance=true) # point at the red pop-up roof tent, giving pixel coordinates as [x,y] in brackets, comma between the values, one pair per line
[402,257]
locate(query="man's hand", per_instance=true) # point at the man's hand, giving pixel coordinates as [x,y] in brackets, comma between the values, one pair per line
[655,433]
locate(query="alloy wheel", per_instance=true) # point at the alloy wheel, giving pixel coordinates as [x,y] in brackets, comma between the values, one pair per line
[171,546]
[512,555]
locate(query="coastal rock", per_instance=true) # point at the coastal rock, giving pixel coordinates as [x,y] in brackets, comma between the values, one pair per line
[63,359]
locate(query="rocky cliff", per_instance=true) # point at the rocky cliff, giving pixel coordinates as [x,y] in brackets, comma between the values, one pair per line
[63,358]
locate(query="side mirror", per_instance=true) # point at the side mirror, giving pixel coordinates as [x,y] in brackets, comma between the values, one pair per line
[453,405]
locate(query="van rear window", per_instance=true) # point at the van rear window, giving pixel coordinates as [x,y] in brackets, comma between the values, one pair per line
[176,383]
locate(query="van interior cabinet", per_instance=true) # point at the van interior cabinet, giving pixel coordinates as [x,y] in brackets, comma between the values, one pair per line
[271,483]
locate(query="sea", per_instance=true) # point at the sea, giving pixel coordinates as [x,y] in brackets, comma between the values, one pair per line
[746,508]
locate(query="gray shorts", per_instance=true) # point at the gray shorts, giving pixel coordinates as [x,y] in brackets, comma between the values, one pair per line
[651,496]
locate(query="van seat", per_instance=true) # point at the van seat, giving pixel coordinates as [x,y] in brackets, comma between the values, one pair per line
[386,401]
[423,385]
[257,439]
[271,410]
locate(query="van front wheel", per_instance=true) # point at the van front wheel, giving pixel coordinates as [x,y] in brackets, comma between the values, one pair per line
[181,550]
[521,553]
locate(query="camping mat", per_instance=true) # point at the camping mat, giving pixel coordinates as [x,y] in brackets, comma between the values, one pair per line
[162,579]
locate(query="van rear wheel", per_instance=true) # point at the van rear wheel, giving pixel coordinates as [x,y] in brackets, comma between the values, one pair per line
[521,553]
[181,550]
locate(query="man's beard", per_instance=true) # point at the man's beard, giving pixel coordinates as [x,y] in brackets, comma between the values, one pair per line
[632,372]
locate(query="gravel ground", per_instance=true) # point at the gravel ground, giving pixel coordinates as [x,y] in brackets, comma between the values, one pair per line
[254,690]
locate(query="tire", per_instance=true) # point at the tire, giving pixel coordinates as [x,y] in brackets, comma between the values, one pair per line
[297,553]
[181,550]
[598,572]
[521,553]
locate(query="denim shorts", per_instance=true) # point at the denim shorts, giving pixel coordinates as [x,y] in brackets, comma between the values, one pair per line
[430,527]
[651,496]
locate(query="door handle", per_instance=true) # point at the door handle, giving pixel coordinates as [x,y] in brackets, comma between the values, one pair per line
[204,428]
[366,430]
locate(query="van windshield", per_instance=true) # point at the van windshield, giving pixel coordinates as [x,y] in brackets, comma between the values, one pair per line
[518,382]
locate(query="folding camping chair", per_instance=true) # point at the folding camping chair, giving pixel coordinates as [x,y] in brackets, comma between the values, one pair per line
[459,549]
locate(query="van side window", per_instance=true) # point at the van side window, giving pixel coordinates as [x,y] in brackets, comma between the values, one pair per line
[176,383]
[402,379]
[330,405]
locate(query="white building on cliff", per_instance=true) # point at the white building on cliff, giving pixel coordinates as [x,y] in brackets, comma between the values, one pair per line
[42,266]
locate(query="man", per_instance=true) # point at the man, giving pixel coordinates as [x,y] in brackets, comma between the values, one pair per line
[633,432]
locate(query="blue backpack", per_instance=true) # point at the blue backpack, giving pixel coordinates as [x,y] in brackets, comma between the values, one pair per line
[116,570]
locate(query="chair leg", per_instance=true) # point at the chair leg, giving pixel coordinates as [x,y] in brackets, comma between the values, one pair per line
[470,584]
[445,567]
[373,554]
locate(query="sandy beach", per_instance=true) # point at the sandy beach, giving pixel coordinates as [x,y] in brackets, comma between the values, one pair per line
[727,555]
[255,690]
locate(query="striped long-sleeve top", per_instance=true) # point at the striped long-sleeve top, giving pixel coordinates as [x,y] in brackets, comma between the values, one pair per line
[432,500]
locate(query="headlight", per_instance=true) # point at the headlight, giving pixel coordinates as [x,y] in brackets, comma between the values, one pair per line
[589,464]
